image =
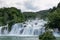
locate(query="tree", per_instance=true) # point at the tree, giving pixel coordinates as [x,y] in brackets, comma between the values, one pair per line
[47,36]
[58,5]
[54,19]
[11,16]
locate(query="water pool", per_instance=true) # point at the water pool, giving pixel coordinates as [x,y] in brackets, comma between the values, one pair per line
[19,38]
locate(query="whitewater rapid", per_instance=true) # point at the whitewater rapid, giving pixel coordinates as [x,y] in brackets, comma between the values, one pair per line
[28,28]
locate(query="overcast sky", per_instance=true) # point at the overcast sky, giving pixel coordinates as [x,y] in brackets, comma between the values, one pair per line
[29,5]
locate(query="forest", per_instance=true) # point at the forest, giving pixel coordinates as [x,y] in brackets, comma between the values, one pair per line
[13,15]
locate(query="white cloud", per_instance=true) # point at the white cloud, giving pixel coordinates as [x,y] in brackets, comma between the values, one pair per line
[29,5]
[45,4]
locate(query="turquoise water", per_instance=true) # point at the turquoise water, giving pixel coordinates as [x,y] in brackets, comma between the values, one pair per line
[18,38]
[58,38]
[21,38]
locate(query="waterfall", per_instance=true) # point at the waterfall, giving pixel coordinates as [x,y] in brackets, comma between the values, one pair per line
[4,29]
[17,28]
[0,29]
[30,27]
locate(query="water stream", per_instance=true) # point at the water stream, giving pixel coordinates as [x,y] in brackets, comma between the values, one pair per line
[29,28]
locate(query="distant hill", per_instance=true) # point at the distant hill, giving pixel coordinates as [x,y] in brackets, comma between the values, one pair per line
[40,14]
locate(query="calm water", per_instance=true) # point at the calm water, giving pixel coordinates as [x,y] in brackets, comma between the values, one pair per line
[18,38]
[21,38]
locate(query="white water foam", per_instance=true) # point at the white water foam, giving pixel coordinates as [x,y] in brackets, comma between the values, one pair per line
[29,28]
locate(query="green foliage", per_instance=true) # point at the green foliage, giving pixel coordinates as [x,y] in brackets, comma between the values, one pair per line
[10,16]
[47,36]
[29,15]
[43,14]
[54,19]
[40,14]
[58,5]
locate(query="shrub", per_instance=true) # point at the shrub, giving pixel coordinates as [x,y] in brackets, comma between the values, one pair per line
[47,36]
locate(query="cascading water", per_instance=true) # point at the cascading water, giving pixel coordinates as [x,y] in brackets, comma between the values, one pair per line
[17,28]
[30,27]
[4,30]
[0,29]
